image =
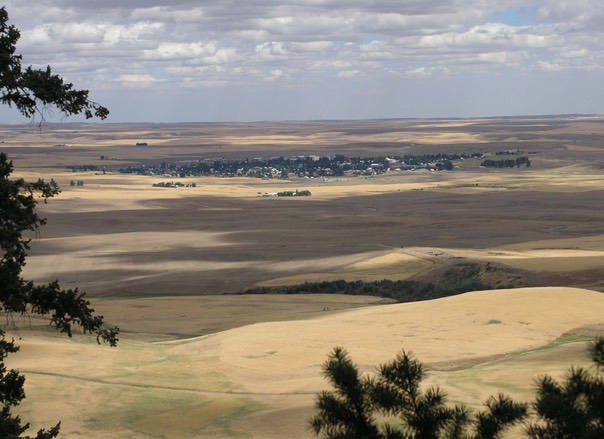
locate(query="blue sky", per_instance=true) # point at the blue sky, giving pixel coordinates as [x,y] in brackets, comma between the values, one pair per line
[244,60]
[518,16]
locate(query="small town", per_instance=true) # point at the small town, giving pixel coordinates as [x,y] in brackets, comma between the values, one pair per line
[302,166]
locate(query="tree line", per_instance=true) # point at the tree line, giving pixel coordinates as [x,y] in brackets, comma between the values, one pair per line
[457,280]
[507,163]
[296,193]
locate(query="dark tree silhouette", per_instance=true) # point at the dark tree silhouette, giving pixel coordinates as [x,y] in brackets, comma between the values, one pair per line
[36,91]
[403,408]
[574,407]
[570,409]
[348,412]
[33,92]
[67,309]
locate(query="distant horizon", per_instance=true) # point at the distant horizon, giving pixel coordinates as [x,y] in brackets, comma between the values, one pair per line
[68,121]
[181,61]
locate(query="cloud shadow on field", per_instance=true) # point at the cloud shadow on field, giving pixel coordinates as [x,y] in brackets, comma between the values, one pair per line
[268,238]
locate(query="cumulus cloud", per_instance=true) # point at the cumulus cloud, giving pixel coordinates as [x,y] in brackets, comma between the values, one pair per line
[350,74]
[137,81]
[275,75]
[550,67]
[190,44]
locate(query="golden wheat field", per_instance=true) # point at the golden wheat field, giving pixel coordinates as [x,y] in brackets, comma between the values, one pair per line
[197,361]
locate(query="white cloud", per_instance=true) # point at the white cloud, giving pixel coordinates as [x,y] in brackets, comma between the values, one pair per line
[583,12]
[574,53]
[420,72]
[326,65]
[550,67]
[77,33]
[246,43]
[311,46]
[182,50]
[275,75]
[489,34]
[252,35]
[197,52]
[168,14]
[507,58]
[139,81]
[221,56]
[271,50]
[348,74]
[194,83]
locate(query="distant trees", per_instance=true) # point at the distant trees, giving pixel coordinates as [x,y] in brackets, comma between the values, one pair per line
[393,404]
[458,279]
[296,193]
[446,165]
[506,163]
[172,184]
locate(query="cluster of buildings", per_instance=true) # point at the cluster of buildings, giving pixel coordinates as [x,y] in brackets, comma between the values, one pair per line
[300,166]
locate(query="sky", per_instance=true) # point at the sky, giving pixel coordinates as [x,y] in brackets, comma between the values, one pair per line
[253,60]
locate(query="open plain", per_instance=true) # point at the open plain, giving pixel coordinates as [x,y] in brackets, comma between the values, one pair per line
[196,360]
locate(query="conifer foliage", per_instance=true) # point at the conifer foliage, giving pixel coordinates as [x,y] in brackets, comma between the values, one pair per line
[573,407]
[33,92]
[394,404]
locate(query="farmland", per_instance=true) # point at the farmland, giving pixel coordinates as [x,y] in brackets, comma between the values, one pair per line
[164,264]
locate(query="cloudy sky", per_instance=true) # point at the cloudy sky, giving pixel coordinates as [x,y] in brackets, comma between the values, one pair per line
[244,60]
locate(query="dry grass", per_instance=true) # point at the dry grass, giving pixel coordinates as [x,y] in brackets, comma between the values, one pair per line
[237,366]
[231,383]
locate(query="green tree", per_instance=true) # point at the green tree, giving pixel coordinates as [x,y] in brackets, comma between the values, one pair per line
[33,92]
[37,91]
[346,413]
[574,407]
[405,411]
[570,409]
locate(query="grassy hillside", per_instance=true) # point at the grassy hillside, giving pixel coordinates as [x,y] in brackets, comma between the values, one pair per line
[259,380]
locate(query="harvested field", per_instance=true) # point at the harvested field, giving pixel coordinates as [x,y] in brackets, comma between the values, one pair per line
[259,380]
[194,362]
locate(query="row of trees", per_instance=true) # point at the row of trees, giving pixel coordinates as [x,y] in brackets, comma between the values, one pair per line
[296,193]
[394,405]
[507,163]
[459,279]
[172,184]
